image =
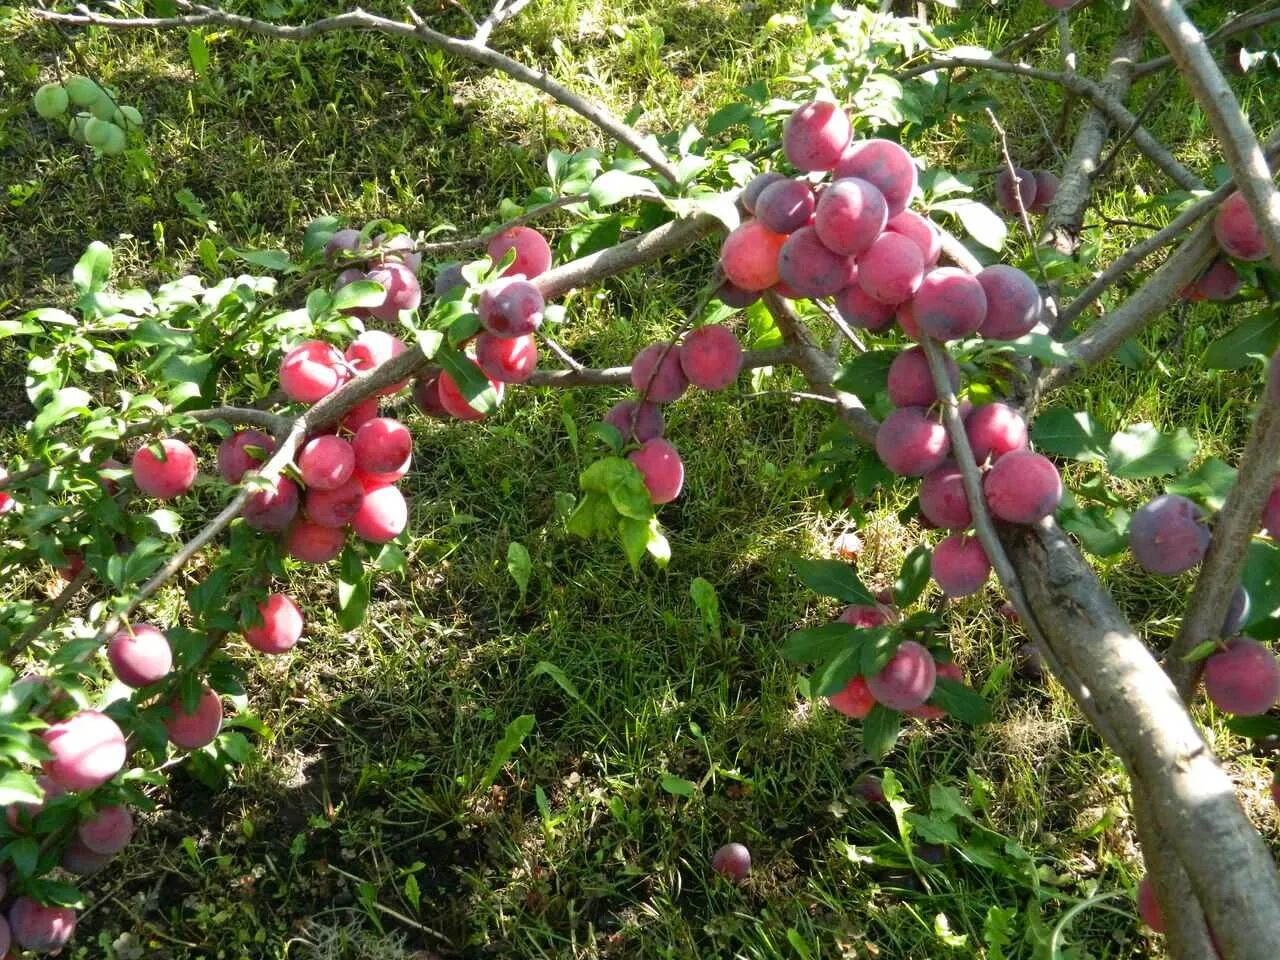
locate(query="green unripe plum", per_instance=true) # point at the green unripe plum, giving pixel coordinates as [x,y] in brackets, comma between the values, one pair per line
[51,101]
[97,132]
[104,108]
[76,126]
[83,91]
[115,141]
[127,117]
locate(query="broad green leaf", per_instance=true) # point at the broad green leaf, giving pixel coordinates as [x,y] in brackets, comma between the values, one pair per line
[728,116]
[1141,450]
[1256,728]
[1258,335]
[878,647]
[1070,433]
[1208,483]
[866,375]
[815,644]
[834,675]
[594,516]
[475,386]
[831,578]
[93,269]
[614,186]
[623,482]
[961,702]
[1040,346]
[519,566]
[633,534]
[63,405]
[512,738]
[913,577]
[267,259]
[198,50]
[318,233]
[880,731]
[1101,531]
[981,224]
[705,599]
[678,786]
[360,293]
[17,786]
[1261,579]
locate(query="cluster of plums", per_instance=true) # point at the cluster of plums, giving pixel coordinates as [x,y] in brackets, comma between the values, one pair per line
[1238,235]
[101,121]
[710,358]
[1036,189]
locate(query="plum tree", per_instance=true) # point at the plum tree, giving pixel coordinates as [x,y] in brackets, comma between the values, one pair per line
[508,360]
[1168,535]
[711,357]
[810,269]
[140,655]
[657,374]
[959,565]
[920,231]
[400,286]
[326,463]
[454,401]
[1015,184]
[1023,487]
[381,446]
[241,452]
[663,471]
[942,498]
[907,680]
[1243,678]
[40,928]
[370,350]
[891,269]
[197,728]
[815,136]
[166,475]
[886,165]
[533,253]
[850,215]
[732,861]
[911,443]
[1237,231]
[312,543]
[382,516]
[636,421]
[785,205]
[272,509]
[311,371]
[995,429]
[910,384]
[949,304]
[855,700]
[860,310]
[511,307]
[281,626]
[1013,302]
[87,749]
[756,186]
[108,830]
[1047,183]
[749,256]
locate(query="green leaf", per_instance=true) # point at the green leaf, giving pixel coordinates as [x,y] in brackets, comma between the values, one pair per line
[353,589]
[614,186]
[798,944]
[1040,346]
[559,676]
[63,405]
[17,786]
[913,577]
[834,675]
[198,50]
[24,853]
[961,702]
[1255,728]
[1101,531]
[831,578]
[1200,651]
[318,233]
[880,731]
[519,566]
[815,644]
[475,386]
[879,644]
[623,482]
[1141,450]
[1070,433]
[704,598]
[1209,483]
[1261,579]
[728,116]
[1258,335]
[677,786]
[512,738]
[166,521]
[93,269]
[981,224]
[594,516]
[634,537]
[866,375]
[267,259]
[359,293]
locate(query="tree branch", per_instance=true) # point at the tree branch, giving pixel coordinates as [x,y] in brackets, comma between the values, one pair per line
[41,623]
[1118,113]
[1243,23]
[503,10]
[358,19]
[482,239]
[1035,33]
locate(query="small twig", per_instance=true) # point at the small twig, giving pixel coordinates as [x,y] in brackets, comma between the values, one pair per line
[1049,139]
[1242,23]
[846,331]
[565,357]
[1065,50]
[792,395]
[1154,101]
[503,10]
[1050,300]
[480,240]
[1035,33]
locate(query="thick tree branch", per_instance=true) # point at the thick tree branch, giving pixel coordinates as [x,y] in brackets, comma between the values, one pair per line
[359,19]
[1116,112]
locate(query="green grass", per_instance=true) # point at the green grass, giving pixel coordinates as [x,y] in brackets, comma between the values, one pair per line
[379,738]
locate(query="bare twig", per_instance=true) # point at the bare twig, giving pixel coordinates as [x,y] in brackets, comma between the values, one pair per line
[433,249]
[565,356]
[503,10]
[1154,102]
[362,20]
[1114,110]
[837,321]
[1035,33]
[1243,23]
[41,623]
[1065,50]
[1012,170]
